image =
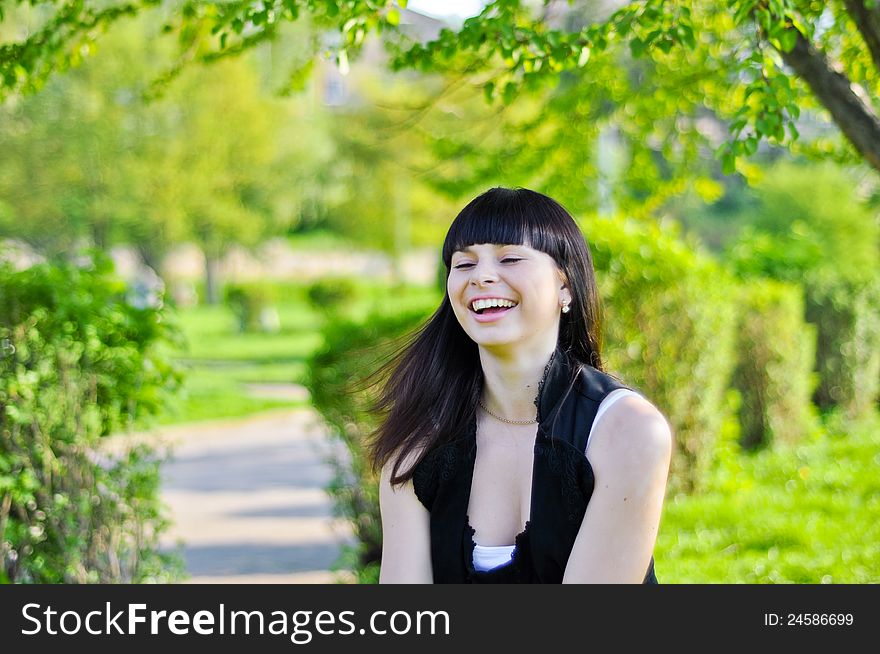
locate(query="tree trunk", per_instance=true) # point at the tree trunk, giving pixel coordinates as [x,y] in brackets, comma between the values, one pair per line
[854,116]
[100,238]
[212,278]
[150,257]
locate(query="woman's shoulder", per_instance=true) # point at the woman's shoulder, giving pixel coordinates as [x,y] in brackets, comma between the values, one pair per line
[629,418]
[633,435]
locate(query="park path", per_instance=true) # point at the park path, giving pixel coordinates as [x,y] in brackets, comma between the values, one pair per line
[247,499]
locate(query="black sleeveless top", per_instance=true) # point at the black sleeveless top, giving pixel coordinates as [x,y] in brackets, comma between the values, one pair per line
[562,484]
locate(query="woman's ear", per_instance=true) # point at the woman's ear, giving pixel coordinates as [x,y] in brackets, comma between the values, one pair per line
[563,280]
[565,291]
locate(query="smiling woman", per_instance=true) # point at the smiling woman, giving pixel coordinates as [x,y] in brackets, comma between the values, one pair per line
[508,454]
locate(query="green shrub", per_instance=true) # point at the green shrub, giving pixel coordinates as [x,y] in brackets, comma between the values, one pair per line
[670,332]
[79,360]
[253,306]
[810,227]
[847,316]
[332,294]
[775,355]
[353,349]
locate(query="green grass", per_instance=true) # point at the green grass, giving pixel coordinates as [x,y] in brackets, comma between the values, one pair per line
[210,396]
[808,513]
[219,362]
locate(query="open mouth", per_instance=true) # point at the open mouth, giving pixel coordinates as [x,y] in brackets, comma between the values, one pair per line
[492,311]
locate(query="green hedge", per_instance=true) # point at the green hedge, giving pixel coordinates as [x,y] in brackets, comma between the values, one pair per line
[352,349]
[809,225]
[775,354]
[847,316]
[670,324]
[253,305]
[331,295]
[79,360]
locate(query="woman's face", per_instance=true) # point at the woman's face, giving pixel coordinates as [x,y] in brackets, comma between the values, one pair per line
[527,277]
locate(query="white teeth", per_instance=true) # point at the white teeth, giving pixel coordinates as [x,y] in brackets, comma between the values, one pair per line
[492,302]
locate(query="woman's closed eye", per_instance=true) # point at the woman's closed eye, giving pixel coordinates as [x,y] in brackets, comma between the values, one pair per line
[505,260]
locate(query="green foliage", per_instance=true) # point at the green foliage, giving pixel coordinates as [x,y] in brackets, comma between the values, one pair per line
[806,220]
[670,331]
[811,229]
[332,294]
[82,161]
[352,350]
[80,358]
[847,316]
[775,355]
[90,159]
[734,59]
[253,305]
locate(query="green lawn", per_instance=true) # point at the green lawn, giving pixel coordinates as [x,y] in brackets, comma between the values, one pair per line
[212,395]
[219,362]
[795,514]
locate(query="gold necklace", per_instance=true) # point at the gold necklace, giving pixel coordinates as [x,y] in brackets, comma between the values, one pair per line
[511,422]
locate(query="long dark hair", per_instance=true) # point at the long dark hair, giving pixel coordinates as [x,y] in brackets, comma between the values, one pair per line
[435,380]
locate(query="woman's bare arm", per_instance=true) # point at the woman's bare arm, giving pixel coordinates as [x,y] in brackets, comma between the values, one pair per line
[406,541]
[630,453]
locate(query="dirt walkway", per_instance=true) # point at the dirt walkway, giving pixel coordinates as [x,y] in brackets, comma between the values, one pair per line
[247,499]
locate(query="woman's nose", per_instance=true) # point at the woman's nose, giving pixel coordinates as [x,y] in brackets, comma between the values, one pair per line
[484,273]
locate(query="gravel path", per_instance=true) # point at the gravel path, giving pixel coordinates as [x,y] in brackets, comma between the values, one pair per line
[248,502]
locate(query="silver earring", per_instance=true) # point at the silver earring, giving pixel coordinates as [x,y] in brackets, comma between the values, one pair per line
[565,308]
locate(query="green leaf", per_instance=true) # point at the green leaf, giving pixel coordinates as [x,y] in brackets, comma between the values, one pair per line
[750,145]
[584,56]
[637,48]
[393,17]
[788,39]
[728,163]
[489,91]
[687,36]
[509,93]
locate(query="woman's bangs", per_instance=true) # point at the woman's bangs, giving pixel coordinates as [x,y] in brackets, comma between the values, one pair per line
[482,230]
[507,217]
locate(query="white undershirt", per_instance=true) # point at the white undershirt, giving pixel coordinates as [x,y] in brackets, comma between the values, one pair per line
[487,557]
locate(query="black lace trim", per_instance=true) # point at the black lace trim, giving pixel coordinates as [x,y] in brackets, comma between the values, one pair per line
[439,465]
[425,480]
[575,476]
[541,384]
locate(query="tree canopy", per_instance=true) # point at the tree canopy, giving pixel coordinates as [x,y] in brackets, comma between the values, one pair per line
[755,65]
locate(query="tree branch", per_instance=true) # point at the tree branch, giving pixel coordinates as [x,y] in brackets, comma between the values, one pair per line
[855,118]
[868,22]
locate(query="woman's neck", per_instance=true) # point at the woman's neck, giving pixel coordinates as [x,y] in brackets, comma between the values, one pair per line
[511,381]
